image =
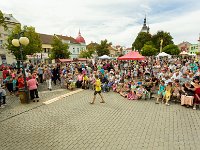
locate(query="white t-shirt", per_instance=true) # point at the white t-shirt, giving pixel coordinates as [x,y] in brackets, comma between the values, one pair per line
[176,77]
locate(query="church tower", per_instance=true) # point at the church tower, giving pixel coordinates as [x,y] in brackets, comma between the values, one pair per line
[145,28]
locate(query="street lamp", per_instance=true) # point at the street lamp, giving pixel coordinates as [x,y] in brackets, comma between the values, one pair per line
[18,43]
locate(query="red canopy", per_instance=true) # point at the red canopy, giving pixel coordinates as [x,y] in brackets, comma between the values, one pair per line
[133,55]
[65,60]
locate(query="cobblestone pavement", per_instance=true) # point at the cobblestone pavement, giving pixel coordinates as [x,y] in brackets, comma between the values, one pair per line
[72,123]
[14,106]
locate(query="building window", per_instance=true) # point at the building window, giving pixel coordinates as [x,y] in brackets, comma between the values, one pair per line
[3,58]
[1,43]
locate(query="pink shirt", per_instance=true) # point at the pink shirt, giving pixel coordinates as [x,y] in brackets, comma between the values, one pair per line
[80,77]
[32,84]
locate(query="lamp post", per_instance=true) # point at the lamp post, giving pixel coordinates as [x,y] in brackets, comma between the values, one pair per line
[18,43]
[161,42]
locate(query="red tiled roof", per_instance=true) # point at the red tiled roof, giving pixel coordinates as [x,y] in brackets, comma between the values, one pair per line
[129,49]
[46,39]
[71,39]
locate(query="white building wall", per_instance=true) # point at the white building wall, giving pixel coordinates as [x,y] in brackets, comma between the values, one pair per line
[75,49]
[5,55]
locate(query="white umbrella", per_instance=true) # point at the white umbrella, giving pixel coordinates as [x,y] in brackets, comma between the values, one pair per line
[192,54]
[183,53]
[105,57]
[163,54]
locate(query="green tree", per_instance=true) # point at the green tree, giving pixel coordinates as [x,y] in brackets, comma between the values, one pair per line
[85,54]
[2,20]
[171,49]
[140,40]
[167,39]
[60,49]
[102,49]
[149,50]
[34,45]
[91,49]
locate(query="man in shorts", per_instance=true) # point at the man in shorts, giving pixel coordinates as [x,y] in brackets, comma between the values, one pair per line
[97,85]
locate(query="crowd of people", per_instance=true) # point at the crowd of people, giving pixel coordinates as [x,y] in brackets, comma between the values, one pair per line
[170,79]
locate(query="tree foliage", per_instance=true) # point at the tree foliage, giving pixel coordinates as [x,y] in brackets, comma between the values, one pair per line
[2,20]
[34,45]
[171,49]
[149,50]
[141,40]
[91,49]
[102,48]
[85,54]
[60,49]
[167,39]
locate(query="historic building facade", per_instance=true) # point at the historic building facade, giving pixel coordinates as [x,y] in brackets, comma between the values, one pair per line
[75,46]
[184,46]
[5,56]
[193,49]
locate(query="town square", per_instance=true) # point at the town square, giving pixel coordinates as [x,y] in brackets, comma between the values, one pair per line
[99,75]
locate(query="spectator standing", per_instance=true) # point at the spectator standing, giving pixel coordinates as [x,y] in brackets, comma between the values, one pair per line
[40,74]
[47,78]
[3,96]
[32,86]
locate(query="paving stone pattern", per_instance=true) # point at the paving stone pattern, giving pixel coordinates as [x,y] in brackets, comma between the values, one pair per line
[74,124]
[14,106]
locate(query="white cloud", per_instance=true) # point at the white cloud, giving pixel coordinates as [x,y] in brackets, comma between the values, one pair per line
[118,21]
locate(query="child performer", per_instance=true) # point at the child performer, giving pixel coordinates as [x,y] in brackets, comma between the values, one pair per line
[97,90]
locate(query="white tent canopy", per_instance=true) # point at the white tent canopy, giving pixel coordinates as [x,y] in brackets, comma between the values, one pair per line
[192,54]
[163,54]
[183,53]
[105,57]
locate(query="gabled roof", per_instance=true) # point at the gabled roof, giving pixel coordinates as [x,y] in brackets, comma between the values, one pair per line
[66,38]
[46,39]
[128,49]
[9,18]
[184,43]
[112,49]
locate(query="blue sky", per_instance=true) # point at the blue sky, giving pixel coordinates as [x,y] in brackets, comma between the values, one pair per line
[119,21]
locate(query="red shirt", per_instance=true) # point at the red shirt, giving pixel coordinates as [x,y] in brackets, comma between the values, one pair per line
[5,72]
[20,82]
